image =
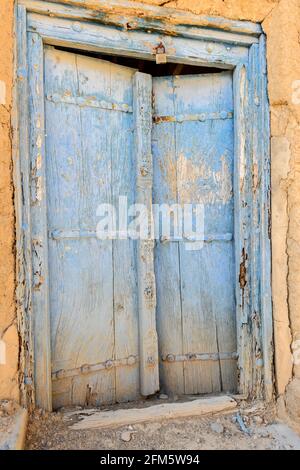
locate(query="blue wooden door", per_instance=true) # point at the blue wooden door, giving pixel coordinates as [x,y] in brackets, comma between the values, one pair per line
[93,282]
[193,164]
[103,292]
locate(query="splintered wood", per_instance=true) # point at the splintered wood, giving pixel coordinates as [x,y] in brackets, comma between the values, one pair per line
[200,407]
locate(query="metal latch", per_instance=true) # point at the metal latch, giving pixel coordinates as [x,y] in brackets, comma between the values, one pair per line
[160,54]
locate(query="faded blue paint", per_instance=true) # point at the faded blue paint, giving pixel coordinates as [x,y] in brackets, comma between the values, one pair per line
[242,49]
[99,37]
[193,163]
[149,364]
[93,298]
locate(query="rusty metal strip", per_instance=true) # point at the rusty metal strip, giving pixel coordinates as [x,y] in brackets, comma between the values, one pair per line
[76,234]
[199,357]
[207,238]
[92,368]
[89,101]
[71,234]
[202,117]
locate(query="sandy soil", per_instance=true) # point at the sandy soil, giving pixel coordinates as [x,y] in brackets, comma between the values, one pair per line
[7,412]
[260,431]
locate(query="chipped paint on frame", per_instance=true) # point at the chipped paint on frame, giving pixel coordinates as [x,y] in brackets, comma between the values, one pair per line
[190,44]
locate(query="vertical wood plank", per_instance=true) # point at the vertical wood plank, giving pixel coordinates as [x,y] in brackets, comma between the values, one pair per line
[193,94]
[149,378]
[124,250]
[255,274]
[64,196]
[193,163]
[204,154]
[81,271]
[21,159]
[167,265]
[265,210]
[94,78]
[242,222]
[40,301]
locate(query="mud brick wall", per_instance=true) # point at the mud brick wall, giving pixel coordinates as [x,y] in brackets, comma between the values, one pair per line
[281,22]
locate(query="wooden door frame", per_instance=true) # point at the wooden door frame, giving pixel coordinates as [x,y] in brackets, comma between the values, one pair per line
[136,30]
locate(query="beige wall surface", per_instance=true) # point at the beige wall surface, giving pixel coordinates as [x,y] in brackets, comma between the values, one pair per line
[281,22]
[9,348]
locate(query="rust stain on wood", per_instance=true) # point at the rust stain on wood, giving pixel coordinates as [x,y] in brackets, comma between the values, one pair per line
[243,270]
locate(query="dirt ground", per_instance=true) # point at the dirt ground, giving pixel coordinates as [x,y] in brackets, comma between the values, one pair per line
[7,411]
[250,426]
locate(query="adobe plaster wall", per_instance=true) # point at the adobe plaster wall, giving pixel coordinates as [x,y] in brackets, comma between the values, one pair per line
[281,22]
[9,348]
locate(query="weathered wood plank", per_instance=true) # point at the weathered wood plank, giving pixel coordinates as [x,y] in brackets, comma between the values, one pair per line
[39,234]
[92,152]
[124,250]
[201,407]
[96,37]
[21,173]
[167,269]
[265,211]
[204,153]
[96,179]
[120,7]
[129,20]
[254,266]
[196,304]
[149,378]
[242,226]
[79,179]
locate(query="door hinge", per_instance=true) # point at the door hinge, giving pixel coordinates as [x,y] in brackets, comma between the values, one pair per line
[202,117]
[199,357]
[88,102]
[91,368]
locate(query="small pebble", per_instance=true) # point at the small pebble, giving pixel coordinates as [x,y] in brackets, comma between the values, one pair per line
[258,419]
[126,436]
[163,396]
[217,427]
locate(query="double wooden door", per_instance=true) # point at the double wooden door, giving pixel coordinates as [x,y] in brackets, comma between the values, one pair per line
[104,348]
